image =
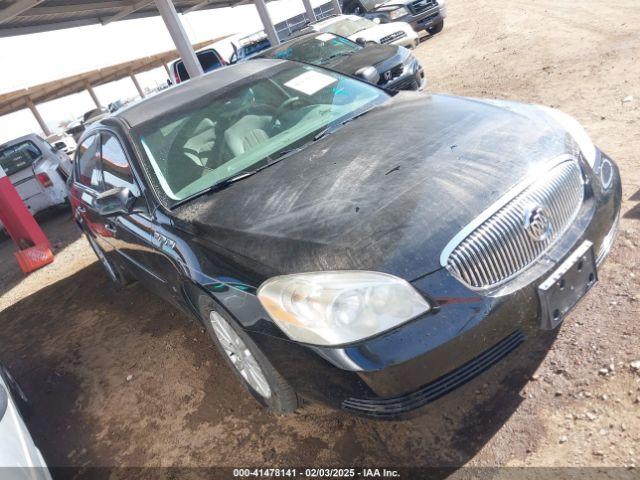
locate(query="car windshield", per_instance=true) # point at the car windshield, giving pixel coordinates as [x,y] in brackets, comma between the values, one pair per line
[318,50]
[18,156]
[348,26]
[247,126]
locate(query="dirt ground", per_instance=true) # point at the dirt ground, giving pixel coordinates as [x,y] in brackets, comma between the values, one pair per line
[126,380]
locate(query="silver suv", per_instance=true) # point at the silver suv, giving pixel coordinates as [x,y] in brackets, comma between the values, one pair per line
[426,15]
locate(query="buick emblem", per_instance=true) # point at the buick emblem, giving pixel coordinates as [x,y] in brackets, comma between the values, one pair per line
[537,223]
[387,75]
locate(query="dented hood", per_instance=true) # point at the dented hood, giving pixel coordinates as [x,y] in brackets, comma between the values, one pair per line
[386,192]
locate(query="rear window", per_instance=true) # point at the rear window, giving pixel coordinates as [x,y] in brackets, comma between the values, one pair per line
[19,156]
[208,60]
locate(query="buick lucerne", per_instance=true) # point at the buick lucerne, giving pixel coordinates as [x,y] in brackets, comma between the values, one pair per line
[346,245]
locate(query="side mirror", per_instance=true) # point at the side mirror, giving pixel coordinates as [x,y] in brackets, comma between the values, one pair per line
[369,74]
[114,201]
[361,41]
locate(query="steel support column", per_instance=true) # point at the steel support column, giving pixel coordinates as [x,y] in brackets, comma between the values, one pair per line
[179,35]
[93,94]
[267,23]
[135,82]
[38,117]
[308,8]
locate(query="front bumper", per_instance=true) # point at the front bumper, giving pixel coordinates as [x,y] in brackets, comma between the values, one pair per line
[395,374]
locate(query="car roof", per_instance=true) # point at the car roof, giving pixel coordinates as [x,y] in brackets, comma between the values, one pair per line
[30,136]
[189,91]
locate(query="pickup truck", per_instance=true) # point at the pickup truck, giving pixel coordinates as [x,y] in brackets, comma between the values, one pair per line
[426,15]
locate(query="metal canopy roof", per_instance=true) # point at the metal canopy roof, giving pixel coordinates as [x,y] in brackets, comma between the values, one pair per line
[19,17]
[19,99]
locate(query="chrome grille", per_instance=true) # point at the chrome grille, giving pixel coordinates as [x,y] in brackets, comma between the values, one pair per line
[393,37]
[507,242]
[420,6]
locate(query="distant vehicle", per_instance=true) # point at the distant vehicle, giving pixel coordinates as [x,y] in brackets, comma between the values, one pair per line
[358,28]
[426,15]
[249,47]
[37,170]
[387,66]
[115,106]
[209,59]
[62,142]
[75,129]
[19,456]
[94,115]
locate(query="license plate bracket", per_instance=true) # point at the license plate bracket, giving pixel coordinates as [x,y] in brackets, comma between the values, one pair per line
[562,290]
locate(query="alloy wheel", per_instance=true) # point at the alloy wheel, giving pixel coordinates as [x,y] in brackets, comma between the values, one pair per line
[240,355]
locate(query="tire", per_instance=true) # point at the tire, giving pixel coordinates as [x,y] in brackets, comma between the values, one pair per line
[118,279]
[436,28]
[252,368]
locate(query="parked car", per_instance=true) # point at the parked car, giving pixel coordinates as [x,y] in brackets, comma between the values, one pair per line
[369,250]
[426,15]
[19,456]
[364,30]
[388,66]
[37,170]
[94,115]
[249,47]
[209,59]
[62,142]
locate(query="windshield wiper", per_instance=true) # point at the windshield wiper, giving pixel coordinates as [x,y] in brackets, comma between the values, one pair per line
[336,126]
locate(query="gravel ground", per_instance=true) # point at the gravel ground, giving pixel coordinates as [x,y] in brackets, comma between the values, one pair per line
[126,380]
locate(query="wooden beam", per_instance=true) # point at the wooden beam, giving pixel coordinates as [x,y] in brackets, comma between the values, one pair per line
[135,6]
[16,8]
[75,8]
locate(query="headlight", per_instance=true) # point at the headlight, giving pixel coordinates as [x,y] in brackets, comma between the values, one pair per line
[410,64]
[577,131]
[334,308]
[398,12]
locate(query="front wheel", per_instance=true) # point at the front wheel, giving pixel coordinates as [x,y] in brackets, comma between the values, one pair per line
[251,366]
[436,28]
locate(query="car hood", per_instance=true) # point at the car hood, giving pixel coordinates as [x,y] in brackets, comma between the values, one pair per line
[370,56]
[386,192]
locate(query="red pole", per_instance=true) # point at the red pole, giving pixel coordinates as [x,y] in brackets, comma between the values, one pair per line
[34,250]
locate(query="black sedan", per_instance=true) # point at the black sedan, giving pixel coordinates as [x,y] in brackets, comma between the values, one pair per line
[389,66]
[331,260]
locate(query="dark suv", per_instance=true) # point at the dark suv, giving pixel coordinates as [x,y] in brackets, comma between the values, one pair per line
[426,15]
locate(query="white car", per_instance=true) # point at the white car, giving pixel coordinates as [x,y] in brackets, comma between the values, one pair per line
[37,170]
[356,28]
[62,142]
[19,456]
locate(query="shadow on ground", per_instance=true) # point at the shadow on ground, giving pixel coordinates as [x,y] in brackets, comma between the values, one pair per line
[634,212]
[124,379]
[59,229]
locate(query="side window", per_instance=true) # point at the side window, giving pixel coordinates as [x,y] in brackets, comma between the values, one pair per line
[88,160]
[115,166]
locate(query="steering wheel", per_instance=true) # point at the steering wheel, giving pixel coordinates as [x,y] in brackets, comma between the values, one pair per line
[286,105]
